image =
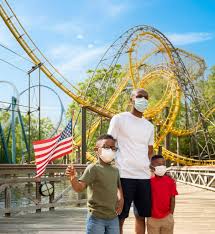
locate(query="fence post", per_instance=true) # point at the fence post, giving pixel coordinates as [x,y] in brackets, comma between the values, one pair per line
[7,193]
[51,197]
[38,195]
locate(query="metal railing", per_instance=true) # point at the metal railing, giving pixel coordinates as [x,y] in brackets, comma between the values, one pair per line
[203,177]
[19,180]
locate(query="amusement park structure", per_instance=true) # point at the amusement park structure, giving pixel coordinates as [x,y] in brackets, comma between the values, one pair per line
[147,59]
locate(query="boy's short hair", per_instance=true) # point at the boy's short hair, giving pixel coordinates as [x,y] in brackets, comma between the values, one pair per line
[157,156]
[105,137]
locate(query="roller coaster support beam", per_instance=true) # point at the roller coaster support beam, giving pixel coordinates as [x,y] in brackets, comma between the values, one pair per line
[13,127]
[29,107]
[158,127]
[178,147]
[83,135]
[5,150]
[23,131]
[34,68]
[168,136]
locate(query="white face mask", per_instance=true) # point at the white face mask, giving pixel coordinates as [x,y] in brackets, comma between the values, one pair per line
[160,170]
[140,104]
[107,155]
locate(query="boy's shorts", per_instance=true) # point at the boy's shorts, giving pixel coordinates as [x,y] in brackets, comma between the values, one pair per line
[137,191]
[97,225]
[161,226]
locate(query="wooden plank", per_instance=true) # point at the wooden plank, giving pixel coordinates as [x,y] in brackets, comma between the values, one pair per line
[31,168]
[26,179]
[195,210]
[40,206]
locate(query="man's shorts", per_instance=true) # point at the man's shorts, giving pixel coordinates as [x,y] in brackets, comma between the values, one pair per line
[137,191]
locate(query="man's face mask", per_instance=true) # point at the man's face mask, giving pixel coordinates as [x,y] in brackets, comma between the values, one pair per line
[160,170]
[107,155]
[140,104]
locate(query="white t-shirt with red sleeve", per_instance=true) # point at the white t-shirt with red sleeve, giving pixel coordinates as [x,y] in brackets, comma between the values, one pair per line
[133,136]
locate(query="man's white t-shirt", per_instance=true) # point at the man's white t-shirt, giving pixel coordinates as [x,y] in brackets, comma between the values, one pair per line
[133,136]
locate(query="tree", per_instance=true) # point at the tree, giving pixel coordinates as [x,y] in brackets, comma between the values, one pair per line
[99,89]
[21,152]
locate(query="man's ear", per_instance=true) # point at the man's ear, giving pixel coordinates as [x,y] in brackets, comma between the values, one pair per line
[132,99]
[96,149]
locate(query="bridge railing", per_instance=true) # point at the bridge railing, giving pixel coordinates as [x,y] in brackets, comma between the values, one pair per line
[203,177]
[19,181]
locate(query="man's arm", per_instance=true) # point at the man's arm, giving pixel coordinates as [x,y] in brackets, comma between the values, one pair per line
[113,127]
[77,185]
[150,151]
[150,144]
[172,204]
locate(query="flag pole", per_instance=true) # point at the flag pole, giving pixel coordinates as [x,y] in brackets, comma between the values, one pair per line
[73,113]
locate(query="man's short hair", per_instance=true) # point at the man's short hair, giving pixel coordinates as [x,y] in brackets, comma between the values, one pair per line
[157,156]
[105,137]
[133,92]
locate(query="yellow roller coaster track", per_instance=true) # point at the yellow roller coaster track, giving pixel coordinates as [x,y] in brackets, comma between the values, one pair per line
[159,71]
[65,85]
[172,97]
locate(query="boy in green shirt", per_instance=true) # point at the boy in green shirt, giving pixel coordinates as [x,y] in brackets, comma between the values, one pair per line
[104,192]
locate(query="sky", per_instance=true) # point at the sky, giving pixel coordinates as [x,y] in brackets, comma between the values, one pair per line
[75,34]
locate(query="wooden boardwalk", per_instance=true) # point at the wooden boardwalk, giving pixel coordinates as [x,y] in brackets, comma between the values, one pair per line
[195,214]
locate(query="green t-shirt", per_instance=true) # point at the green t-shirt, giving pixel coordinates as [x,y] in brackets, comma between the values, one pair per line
[102,183]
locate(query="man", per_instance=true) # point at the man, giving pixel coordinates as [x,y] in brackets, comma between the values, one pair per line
[135,138]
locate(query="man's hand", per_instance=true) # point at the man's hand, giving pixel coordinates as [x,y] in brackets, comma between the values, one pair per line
[119,206]
[71,172]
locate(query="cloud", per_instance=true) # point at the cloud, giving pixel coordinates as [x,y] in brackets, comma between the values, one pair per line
[188,38]
[68,27]
[80,36]
[29,21]
[5,35]
[115,9]
[111,9]
[74,61]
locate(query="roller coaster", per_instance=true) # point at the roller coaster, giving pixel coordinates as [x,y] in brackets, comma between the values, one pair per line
[146,59]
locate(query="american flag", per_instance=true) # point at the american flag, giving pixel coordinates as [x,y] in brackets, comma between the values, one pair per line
[49,149]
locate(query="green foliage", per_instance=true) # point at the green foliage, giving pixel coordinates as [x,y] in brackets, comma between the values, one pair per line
[101,88]
[46,128]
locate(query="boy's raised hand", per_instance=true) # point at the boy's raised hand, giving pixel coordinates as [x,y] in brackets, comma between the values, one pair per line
[70,171]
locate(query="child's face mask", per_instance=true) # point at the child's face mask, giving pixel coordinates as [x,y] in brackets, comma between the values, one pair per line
[107,155]
[160,170]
